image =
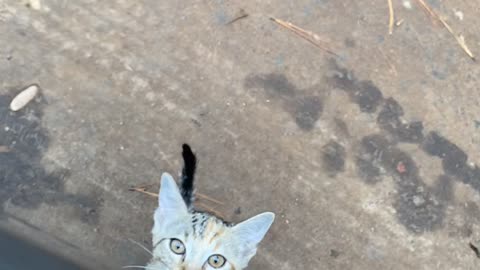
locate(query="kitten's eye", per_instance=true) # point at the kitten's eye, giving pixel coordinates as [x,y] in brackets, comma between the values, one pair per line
[216,261]
[177,246]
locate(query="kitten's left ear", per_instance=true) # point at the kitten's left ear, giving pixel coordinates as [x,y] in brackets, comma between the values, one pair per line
[170,202]
[251,231]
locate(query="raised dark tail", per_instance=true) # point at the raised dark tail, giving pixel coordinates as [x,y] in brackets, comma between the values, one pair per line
[188,174]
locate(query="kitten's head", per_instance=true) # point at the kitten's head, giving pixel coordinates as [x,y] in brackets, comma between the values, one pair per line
[190,240]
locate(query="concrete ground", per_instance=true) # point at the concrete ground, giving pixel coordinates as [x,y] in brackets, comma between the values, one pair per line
[368,158]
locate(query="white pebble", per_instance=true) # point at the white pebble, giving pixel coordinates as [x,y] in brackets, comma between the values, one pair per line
[407,4]
[35,4]
[22,99]
[459,15]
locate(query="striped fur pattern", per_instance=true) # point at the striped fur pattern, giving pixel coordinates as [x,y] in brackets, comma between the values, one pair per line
[187,239]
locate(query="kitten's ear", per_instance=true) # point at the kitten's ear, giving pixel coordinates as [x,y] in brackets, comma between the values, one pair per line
[251,231]
[170,202]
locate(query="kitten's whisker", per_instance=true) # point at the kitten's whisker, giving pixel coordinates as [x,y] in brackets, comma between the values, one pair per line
[138,267]
[140,245]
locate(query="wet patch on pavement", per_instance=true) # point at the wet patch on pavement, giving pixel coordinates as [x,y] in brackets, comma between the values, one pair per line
[25,182]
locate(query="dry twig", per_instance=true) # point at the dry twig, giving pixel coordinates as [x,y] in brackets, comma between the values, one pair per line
[143,189]
[307,35]
[211,210]
[202,205]
[207,198]
[460,39]
[391,20]
[240,15]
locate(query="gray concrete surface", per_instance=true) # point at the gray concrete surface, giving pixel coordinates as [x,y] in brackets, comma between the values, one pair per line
[369,159]
[17,253]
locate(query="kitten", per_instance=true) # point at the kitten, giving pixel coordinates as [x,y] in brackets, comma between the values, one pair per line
[187,239]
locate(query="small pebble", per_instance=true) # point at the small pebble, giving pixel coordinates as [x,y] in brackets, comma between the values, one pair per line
[334,253]
[22,99]
[459,15]
[407,4]
[35,4]
[418,201]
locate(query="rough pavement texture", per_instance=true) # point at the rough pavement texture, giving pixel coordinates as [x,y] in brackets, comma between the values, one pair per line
[369,159]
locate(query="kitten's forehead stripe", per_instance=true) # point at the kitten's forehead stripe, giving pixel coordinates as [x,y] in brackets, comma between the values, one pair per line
[204,226]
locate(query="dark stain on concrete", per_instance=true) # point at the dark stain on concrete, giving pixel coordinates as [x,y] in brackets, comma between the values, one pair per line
[389,119]
[23,180]
[362,92]
[443,188]
[368,171]
[417,208]
[472,210]
[454,159]
[341,127]
[438,146]
[305,109]
[20,254]
[333,157]
[274,84]
[367,96]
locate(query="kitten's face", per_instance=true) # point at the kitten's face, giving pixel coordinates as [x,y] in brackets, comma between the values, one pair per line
[189,240]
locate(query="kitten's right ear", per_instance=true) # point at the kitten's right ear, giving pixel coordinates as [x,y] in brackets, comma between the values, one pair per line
[170,202]
[250,232]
